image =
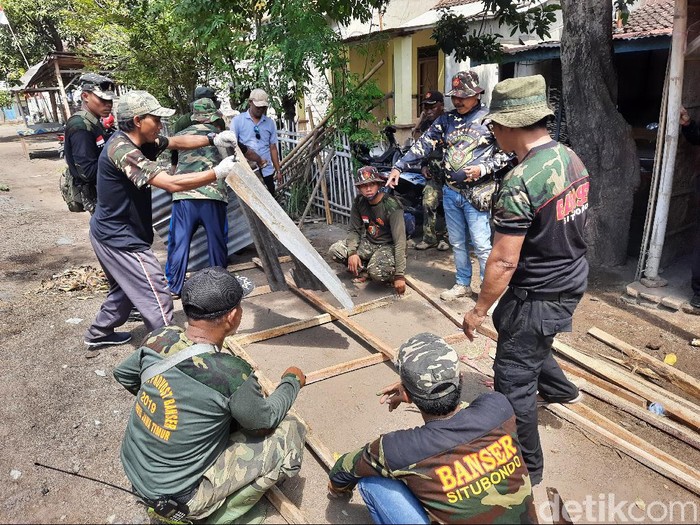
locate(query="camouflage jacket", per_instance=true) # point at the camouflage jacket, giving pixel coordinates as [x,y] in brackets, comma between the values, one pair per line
[465,142]
[545,198]
[182,418]
[200,159]
[464,469]
[381,223]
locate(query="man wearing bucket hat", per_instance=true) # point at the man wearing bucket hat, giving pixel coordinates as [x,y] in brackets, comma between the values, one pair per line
[470,161]
[538,258]
[463,465]
[202,441]
[121,230]
[375,246]
[205,206]
[85,137]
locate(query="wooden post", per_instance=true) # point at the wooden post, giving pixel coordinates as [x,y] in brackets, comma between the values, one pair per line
[62,90]
[54,108]
[324,185]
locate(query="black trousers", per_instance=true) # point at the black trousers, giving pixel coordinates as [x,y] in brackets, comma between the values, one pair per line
[524,364]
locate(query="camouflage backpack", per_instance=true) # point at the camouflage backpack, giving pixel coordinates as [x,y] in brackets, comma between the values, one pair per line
[70,192]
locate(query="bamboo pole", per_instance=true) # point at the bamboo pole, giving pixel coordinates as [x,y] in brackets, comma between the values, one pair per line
[321,178]
[324,185]
[682,380]
[62,90]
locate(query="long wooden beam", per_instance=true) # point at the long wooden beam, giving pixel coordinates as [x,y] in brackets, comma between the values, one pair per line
[318,320]
[682,380]
[290,512]
[632,445]
[250,265]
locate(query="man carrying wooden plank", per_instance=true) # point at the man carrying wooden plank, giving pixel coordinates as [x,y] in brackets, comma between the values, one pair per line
[463,465]
[376,243]
[538,258]
[202,440]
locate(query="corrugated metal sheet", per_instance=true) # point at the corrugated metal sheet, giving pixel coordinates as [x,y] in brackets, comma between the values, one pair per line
[238,231]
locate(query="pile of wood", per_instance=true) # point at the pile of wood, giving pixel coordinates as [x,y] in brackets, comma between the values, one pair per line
[85,278]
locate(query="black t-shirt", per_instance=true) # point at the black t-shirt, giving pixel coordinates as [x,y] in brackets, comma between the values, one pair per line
[122,219]
[545,198]
[84,140]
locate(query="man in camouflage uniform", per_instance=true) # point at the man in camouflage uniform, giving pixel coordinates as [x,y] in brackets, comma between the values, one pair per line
[463,466]
[538,258]
[121,230]
[202,439]
[376,243]
[85,136]
[470,161]
[205,206]
[434,233]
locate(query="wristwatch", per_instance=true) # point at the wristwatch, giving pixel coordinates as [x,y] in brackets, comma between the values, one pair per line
[211,136]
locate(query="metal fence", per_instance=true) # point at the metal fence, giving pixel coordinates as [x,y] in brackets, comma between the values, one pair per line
[341,190]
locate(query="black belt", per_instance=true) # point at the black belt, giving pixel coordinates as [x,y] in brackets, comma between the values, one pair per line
[523,295]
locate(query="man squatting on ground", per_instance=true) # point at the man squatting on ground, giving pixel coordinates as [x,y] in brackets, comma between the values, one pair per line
[434,233]
[470,160]
[376,241]
[202,438]
[462,466]
[121,230]
[538,258]
[85,136]
[206,205]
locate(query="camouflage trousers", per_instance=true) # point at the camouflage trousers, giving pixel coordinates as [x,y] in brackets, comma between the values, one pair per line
[245,470]
[434,227]
[378,259]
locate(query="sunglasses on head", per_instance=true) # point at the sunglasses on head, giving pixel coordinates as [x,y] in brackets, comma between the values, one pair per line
[257,132]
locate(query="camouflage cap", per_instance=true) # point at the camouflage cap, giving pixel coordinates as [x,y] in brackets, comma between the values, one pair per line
[140,103]
[465,84]
[519,102]
[212,292]
[100,85]
[368,174]
[428,366]
[204,111]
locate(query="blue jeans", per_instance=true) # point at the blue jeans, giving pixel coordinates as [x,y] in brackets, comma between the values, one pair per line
[465,222]
[390,501]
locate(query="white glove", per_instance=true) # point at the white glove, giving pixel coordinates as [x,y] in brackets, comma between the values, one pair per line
[225,167]
[225,139]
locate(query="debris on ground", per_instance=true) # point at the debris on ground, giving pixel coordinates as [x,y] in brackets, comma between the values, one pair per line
[84,278]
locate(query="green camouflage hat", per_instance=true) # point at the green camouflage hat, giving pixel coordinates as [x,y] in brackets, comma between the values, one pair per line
[100,85]
[465,84]
[368,174]
[519,102]
[136,103]
[428,366]
[204,111]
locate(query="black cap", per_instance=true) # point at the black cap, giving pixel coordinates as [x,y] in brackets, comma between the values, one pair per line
[204,92]
[213,292]
[432,97]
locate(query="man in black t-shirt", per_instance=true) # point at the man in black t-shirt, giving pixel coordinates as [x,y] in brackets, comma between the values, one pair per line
[538,258]
[121,230]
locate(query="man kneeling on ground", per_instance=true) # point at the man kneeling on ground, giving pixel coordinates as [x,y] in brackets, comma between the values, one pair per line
[463,466]
[376,242]
[202,440]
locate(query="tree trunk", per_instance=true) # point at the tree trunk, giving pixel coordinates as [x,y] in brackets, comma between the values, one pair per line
[599,134]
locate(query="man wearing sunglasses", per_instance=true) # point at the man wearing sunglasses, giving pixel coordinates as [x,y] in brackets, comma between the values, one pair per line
[258,131]
[121,230]
[85,136]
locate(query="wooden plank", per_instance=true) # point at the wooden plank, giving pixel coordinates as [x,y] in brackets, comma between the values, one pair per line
[296,326]
[632,445]
[286,508]
[259,290]
[317,447]
[250,265]
[344,368]
[578,373]
[682,380]
[345,320]
[253,193]
[632,383]
[662,423]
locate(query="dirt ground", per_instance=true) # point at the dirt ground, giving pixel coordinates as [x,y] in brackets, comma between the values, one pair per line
[61,406]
